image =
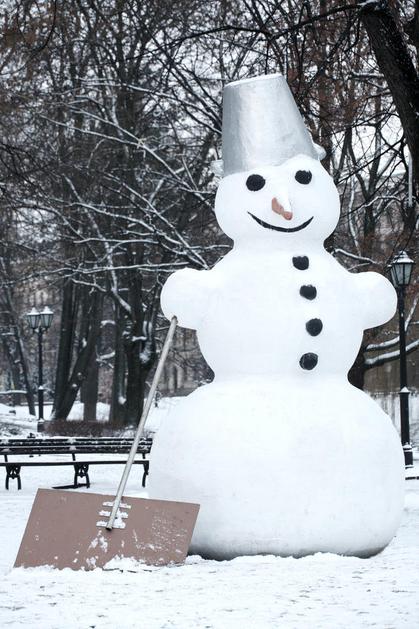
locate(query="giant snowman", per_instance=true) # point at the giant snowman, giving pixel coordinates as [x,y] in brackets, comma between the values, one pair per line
[281,452]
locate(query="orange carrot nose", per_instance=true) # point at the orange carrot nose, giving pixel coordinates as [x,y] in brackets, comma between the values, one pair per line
[279,209]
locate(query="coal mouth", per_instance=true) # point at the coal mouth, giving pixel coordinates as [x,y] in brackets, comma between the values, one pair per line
[281,229]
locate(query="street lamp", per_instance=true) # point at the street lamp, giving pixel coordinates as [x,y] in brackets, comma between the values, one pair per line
[40,322]
[401,272]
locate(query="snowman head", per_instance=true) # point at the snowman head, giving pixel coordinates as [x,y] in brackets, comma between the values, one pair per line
[274,188]
[295,202]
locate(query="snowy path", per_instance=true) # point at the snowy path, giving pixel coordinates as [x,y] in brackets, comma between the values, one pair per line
[318,592]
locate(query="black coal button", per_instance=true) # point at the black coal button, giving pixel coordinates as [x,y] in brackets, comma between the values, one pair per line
[308,361]
[300,262]
[314,327]
[308,291]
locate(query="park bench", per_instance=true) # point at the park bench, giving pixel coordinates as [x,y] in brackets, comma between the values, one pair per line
[29,452]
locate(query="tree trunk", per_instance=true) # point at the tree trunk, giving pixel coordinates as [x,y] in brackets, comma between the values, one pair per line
[117,409]
[18,357]
[356,375]
[135,384]
[91,320]
[89,390]
[395,63]
[69,311]
[14,371]
[90,386]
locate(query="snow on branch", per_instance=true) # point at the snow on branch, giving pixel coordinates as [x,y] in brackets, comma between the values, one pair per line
[381,359]
[372,347]
[354,256]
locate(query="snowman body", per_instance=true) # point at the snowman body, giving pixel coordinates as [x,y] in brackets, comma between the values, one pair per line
[268,314]
[281,470]
[281,452]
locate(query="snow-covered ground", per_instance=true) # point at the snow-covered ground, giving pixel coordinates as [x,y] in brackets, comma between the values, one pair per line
[318,592]
[16,421]
[17,417]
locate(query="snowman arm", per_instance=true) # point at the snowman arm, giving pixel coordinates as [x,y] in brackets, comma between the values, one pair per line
[185,295]
[379,299]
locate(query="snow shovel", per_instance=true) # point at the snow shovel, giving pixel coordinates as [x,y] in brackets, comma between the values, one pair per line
[67,529]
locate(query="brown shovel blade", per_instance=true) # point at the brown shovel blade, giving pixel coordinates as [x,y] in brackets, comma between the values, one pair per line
[66,529]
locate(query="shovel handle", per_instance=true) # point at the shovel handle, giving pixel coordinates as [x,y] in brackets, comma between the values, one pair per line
[140,427]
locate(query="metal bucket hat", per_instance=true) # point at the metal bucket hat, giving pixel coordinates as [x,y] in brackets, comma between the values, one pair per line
[262,126]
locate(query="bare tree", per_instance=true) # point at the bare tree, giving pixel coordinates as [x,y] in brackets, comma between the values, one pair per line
[112,115]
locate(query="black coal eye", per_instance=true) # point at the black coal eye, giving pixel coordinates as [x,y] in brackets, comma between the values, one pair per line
[303,176]
[255,182]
